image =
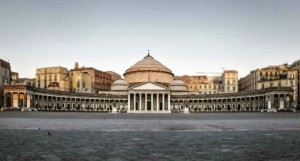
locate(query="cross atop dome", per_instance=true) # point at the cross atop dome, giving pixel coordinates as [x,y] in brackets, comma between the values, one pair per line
[148,55]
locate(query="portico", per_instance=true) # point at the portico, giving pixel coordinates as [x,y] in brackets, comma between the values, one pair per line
[149,98]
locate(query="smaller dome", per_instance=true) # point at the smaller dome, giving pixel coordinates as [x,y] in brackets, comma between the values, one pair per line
[120,82]
[178,85]
[119,85]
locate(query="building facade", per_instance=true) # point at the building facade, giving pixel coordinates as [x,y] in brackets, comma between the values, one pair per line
[5,77]
[296,66]
[114,76]
[81,81]
[226,83]
[53,78]
[14,77]
[101,80]
[272,76]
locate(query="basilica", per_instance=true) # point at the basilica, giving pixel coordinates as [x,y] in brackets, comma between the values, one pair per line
[148,87]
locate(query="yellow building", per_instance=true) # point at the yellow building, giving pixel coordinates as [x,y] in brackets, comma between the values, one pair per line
[271,76]
[81,82]
[226,83]
[53,78]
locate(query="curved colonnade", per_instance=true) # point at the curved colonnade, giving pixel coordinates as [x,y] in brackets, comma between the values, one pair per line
[42,99]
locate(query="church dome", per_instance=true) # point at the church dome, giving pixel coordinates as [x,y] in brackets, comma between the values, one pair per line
[119,85]
[178,85]
[148,70]
[148,63]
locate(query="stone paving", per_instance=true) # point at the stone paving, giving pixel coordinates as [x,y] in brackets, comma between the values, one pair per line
[96,136]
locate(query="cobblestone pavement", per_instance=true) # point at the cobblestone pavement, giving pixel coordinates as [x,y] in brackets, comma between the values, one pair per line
[97,136]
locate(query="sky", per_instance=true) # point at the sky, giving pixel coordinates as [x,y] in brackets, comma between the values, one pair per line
[187,36]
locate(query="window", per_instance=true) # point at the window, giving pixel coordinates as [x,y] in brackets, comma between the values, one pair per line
[279,84]
[234,88]
[55,78]
[262,86]
[78,84]
[292,76]
[260,73]
[228,82]
[292,84]
[83,84]
[271,84]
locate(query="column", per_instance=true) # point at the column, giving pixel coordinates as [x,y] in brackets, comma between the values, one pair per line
[11,100]
[163,102]
[71,106]
[28,102]
[140,103]
[128,106]
[151,101]
[146,108]
[18,103]
[25,100]
[134,102]
[5,99]
[157,102]
[169,102]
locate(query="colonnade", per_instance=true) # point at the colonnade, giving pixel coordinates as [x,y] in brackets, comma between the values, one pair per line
[240,103]
[146,101]
[143,102]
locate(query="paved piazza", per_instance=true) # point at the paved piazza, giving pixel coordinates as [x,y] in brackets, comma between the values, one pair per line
[102,136]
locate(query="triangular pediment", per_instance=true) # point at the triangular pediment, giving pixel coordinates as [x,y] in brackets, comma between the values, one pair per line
[149,86]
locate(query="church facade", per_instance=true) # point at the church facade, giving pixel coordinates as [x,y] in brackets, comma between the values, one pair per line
[148,87]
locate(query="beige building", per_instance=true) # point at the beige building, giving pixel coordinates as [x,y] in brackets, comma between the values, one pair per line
[226,83]
[53,78]
[271,76]
[230,81]
[101,80]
